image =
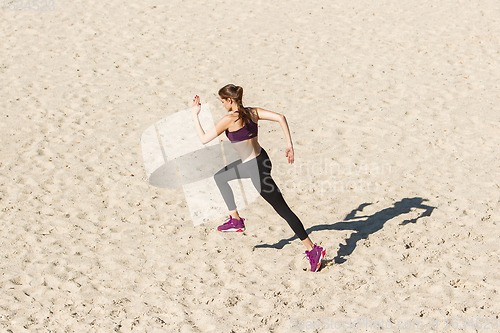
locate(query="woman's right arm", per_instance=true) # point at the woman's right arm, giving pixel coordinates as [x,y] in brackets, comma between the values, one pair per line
[273,116]
[217,130]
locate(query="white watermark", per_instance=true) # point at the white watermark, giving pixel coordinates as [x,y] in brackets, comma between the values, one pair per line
[330,186]
[325,175]
[327,167]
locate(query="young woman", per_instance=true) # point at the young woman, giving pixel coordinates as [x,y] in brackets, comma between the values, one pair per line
[241,128]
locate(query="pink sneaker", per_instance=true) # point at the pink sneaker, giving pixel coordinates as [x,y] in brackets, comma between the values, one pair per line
[315,256]
[232,225]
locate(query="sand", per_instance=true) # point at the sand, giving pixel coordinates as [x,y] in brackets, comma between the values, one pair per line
[393,110]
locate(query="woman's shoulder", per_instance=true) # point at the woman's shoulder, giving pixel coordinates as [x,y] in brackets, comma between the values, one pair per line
[228,119]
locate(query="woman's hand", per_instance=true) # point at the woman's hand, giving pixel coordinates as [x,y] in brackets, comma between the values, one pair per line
[289,154]
[196,105]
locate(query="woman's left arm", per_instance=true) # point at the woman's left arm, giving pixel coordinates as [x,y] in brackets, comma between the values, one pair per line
[220,127]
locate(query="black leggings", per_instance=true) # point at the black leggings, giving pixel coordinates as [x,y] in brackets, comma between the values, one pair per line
[259,171]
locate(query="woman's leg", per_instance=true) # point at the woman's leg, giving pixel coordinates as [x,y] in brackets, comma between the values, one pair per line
[271,193]
[222,177]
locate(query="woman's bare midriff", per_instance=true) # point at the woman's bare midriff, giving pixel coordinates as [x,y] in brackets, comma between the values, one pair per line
[247,149]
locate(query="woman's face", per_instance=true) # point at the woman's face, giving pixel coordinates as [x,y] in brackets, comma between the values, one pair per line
[226,102]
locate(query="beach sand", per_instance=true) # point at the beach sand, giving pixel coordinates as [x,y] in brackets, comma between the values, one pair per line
[393,110]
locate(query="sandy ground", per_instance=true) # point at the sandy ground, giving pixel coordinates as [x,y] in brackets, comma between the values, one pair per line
[393,108]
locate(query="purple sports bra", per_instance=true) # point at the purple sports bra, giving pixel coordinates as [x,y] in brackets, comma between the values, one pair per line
[246,132]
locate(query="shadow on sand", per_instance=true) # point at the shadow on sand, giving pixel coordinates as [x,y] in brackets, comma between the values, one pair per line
[363,225]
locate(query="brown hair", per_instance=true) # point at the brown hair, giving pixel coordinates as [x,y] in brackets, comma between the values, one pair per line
[236,94]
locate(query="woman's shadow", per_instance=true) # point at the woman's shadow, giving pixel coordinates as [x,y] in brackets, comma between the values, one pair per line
[363,225]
